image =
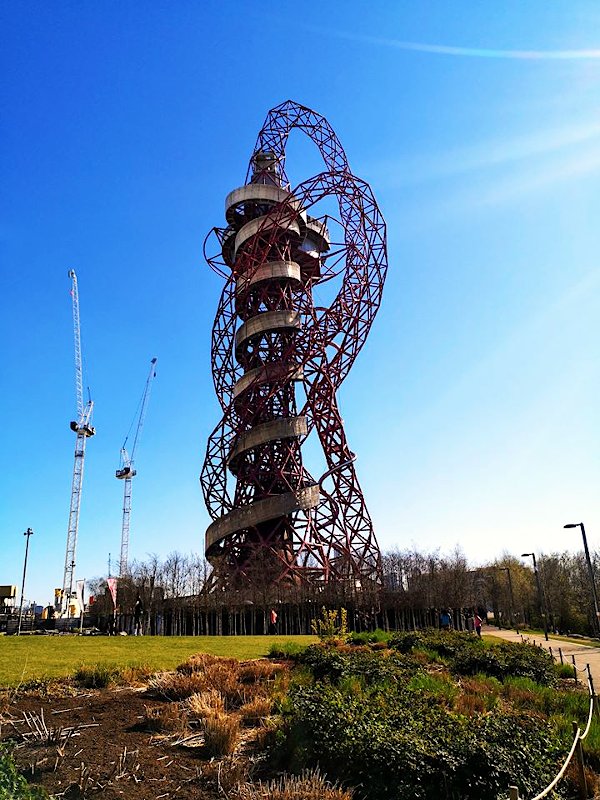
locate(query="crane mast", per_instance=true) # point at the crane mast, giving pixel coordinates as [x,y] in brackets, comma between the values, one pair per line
[83,428]
[126,471]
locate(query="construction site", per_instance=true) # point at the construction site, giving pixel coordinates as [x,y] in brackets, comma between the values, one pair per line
[69,607]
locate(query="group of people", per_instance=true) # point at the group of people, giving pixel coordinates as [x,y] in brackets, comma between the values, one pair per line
[473,621]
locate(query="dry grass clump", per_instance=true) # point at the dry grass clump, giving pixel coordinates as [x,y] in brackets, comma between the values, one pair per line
[259,671]
[256,710]
[308,786]
[175,685]
[519,696]
[237,683]
[136,675]
[221,734]
[99,676]
[170,718]
[469,704]
[228,773]
[204,673]
[479,694]
[223,677]
[205,704]
[200,661]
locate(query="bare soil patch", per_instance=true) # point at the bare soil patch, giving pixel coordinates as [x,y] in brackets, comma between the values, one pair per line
[89,742]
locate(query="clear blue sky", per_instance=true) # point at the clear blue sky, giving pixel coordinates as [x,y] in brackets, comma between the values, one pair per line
[474,406]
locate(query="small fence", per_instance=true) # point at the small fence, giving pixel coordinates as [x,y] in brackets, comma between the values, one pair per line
[579,736]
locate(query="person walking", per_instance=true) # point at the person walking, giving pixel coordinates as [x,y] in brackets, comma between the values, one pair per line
[477,622]
[446,620]
[138,613]
[273,621]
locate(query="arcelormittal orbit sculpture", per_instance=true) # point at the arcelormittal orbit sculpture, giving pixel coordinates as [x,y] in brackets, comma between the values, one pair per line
[278,359]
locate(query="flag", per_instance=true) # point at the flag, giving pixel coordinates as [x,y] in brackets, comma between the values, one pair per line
[112,585]
[80,591]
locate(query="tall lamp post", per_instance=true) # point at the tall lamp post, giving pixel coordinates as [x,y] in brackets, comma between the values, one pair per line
[541,599]
[27,533]
[590,570]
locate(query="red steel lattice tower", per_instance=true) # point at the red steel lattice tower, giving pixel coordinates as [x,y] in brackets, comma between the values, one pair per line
[278,359]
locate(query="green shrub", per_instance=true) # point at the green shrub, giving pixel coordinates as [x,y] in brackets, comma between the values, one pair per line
[439,687]
[505,659]
[515,748]
[564,670]
[378,721]
[448,643]
[369,637]
[444,643]
[331,624]
[527,694]
[325,662]
[283,649]
[97,677]
[405,641]
[13,785]
[400,745]
[467,655]
[332,664]
[592,746]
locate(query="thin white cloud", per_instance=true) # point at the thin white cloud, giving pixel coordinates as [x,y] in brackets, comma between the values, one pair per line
[421,167]
[473,52]
[478,197]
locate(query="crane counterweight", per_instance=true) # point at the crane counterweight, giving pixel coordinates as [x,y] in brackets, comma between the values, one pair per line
[86,430]
[126,472]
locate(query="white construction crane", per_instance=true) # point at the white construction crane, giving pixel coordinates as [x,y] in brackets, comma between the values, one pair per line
[83,428]
[126,471]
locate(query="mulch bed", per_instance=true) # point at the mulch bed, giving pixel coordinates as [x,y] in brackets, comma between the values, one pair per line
[108,753]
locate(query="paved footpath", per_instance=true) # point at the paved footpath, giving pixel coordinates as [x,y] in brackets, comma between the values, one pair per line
[584,654]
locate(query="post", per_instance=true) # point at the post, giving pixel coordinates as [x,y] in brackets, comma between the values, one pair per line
[583,793]
[542,598]
[513,792]
[592,580]
[590,680]
[560,653]
[551,653]
[574,669]
[27,533]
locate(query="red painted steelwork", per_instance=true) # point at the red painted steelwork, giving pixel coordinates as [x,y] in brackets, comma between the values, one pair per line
[270,517]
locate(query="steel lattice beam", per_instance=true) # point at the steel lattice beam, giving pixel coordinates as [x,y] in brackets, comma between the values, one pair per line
[270,516]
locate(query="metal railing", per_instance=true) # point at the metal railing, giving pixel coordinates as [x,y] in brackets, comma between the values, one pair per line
[578,737]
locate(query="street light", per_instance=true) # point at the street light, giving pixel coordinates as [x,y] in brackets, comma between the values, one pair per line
[590,570]
[27,533]
[541,598]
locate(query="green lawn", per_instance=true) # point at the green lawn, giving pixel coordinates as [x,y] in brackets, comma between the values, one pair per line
[27,657]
